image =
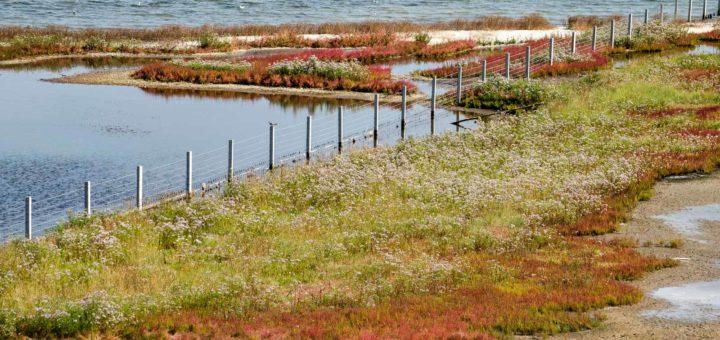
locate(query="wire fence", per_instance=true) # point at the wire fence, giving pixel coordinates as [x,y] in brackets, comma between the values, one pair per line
[207,172]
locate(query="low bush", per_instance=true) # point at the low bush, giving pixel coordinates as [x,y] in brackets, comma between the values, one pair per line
[593,62]
[654,38]
[332,70]
[502,94]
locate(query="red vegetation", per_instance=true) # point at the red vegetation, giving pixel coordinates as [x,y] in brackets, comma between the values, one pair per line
[705,112]
[287,39]
[700,132]
[712,36]
[597,61]
[378,82]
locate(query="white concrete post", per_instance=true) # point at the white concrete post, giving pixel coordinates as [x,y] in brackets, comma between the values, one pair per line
[458,90]
[308,138]
[704,11]
[433,94]
[484,71]
[528,62]
[88,201]
[552,50]
[594,38]
[28,218]
[647,17]
[139,187]
[231,160]
[403,112]
[271,150]
[507,65]
[376,120]
[690,6]
[188,174]
[612,33]
[718,8]
[630,25]
[432,107]
[340,129]
[573,43]
[662,14]
[675,13]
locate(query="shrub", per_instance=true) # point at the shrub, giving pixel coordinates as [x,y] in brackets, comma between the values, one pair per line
[215,65]
[594,62]
[654,38]
[313,66]
[212,41]
[501,94]
[422,38]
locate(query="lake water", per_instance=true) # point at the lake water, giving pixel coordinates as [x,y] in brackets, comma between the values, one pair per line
[148,13]
[54,137]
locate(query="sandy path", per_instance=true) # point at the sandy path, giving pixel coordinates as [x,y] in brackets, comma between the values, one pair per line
[698,263]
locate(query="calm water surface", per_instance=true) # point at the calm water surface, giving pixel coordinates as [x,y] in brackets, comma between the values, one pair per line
[147,13]
[53,137]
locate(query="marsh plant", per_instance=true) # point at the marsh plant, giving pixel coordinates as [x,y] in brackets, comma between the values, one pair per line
[332,70]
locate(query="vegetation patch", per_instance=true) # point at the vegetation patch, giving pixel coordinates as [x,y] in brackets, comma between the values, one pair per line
[474,234]
[654,37]
[503,94]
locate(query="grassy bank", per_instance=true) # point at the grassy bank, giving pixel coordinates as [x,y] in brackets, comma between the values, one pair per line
[477,234]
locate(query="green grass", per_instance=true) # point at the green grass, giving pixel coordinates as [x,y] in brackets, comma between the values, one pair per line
[428,238]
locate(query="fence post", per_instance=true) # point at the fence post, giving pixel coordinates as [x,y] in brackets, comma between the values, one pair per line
[188,174]
[139,188]
[704,11]
[433,95]
[594,38]
[630,25]
[433,101]
[403,112]
[458,90]
[308,138]
[231,160]
[718,8]
[662,14]
[528,62]
[690,6]
[28,217]
[340,129]
[484,70]
[88,201]
[675,13]
[647,17]
[612,33]
[552,50]
[573,43]
[271,151]
[376,120]
[507,65]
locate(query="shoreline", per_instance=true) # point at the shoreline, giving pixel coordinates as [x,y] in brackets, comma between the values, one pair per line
[698,256]
[123,78]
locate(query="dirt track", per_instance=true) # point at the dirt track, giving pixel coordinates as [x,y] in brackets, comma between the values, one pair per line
[699,258]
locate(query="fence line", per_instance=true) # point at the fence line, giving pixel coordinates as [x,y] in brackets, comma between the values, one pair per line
[202,173]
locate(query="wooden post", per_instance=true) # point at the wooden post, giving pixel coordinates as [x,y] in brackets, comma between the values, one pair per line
[433,104]
[484,71]
[308,138]
[573,43]
[630,25]
[647,17]
[612,33]
[139,187]
[231,160]
[376,120]
[188,174]
[704,10]
[28,218]
[675,13]
[594,38]
[340,129]
[88,201]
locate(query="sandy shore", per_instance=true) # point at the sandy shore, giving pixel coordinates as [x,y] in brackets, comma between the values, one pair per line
[123,78]
[699,258]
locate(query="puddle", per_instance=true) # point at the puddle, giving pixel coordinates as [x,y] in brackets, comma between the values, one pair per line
[704,49]
[693,302]
[688,221]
